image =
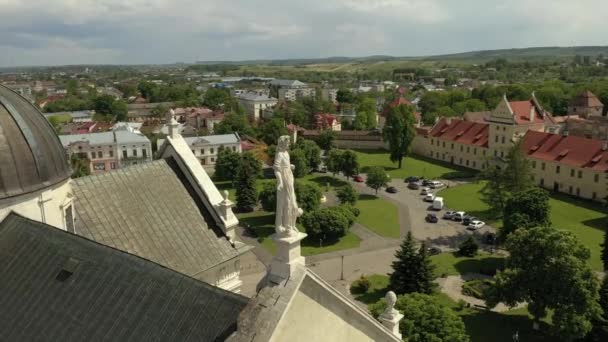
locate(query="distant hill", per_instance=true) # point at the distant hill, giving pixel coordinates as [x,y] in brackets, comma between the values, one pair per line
[549,52]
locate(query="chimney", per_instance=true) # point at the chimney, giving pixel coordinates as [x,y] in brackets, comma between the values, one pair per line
[532,113]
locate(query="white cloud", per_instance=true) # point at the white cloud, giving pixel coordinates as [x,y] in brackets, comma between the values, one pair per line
[164,31]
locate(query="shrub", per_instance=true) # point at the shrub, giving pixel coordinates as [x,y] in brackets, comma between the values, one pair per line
[268,196]
[360,285]
[347,194]
[350,212]
[308,196]
[476,288]
[326,223]
[469,247]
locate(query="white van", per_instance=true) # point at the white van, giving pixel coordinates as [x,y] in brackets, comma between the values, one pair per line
[429,197]
[438,203]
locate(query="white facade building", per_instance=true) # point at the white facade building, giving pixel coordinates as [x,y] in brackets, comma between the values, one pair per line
[255,103]
[206,148]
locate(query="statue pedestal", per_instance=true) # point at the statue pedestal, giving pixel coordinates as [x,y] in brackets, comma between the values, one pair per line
[288,257]
[392,322]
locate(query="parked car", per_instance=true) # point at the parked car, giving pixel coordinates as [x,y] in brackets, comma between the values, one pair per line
[426,182]
[437,203]
[358,179]
[436,185]
[474,225]
[412,179]
[468,219]
[425,191]
[413,186]
[448,215]
[391,189]
[431,218]
[489,238]
[433,250]
[458,216]
[430,197]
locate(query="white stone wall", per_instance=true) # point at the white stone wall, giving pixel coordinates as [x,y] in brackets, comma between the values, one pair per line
[48,205]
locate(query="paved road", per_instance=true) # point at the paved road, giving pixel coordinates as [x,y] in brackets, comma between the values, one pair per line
[376,253]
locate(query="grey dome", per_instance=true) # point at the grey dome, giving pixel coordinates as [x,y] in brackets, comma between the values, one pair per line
[31,155]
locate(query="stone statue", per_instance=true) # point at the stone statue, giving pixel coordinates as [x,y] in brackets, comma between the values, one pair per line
[391,299]
[287,207]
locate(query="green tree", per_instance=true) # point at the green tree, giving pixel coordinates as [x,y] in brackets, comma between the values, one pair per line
[80,166]
[326,139]
[234,123]
[268,196]
[103,104]
[216,98]
[605,250]
[494,193]
[547,268]
[345,96]
[347,194]
[349,164]
[518,171]
[526,209]
[298,160]
[270,131]
[366,114]
[468,247]
[160,111]
[410,269]
[308,196]
[425,319]
[334,161]
[311,151]
[226,164]
[328,224]
[399,132]
[119,110]
[245,183]
[376,178]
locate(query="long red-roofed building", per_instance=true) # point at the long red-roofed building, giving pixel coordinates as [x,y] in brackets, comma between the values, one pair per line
[569,164]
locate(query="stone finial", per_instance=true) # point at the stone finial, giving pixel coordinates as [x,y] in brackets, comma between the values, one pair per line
[390,318]
[225,193]
[173,125]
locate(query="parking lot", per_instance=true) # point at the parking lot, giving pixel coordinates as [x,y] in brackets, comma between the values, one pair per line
[445,234]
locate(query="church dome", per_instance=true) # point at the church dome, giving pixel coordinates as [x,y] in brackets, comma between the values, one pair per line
[31,155]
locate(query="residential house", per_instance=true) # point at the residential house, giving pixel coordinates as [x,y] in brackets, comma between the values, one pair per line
[325,121]
[206,148]
[109,150]
[400,100]
[255,103]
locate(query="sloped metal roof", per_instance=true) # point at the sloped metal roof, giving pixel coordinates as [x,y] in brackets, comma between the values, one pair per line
[31,155]
[57,286]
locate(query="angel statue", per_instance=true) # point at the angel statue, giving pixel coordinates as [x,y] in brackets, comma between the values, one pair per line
[287,207]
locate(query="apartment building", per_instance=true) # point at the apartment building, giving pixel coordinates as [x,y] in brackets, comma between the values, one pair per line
[329,94]
[291,90]
[109,150]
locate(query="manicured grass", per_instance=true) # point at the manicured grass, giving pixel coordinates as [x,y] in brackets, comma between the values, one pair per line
[263,225]
[447,264]
[62,118]
[586,220]
[377,290]
[411,166]
[379,215]
[481,325]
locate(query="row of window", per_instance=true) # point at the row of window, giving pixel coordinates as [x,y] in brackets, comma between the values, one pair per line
[212,150]
[442,144]
[99,154]
[557,186]
[573,172]
[466,162]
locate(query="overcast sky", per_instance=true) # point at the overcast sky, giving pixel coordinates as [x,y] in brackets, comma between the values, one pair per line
[57,32]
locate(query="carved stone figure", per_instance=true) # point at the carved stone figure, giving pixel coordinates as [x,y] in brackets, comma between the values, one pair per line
[390,311]
[287,207]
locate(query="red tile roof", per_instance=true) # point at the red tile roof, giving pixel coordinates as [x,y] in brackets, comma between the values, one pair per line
[464,132]
[569,150]
[521,112]
[396,102]
[586,99]
[324,120]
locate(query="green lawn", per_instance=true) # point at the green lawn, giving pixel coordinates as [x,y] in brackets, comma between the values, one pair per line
[584,219]
[412,166]
[379,215]
[482,326]
[263,224]
[451,264]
